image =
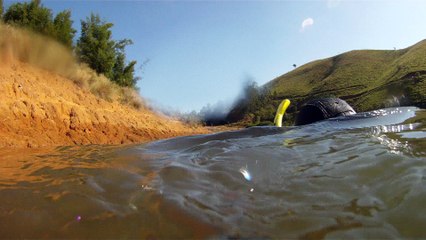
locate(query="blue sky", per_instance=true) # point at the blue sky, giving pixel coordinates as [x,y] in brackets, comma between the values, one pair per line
[201,52]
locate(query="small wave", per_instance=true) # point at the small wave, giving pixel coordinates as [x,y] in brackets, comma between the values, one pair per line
[356,177]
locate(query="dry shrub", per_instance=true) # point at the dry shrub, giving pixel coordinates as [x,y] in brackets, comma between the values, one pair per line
[97,84]
[130,97]
[44,52]
[104,88]
[37,50]
[82,76]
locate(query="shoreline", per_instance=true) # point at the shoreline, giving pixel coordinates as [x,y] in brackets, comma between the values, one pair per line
[39,108]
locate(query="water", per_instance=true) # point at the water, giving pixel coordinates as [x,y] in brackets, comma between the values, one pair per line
[352,178]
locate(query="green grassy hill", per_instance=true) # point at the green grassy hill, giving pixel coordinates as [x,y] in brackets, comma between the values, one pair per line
[366,79]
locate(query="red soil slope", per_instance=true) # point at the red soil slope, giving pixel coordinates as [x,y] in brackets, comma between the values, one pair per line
[40,108]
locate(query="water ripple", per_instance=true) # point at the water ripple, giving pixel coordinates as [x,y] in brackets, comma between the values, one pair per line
[357,177]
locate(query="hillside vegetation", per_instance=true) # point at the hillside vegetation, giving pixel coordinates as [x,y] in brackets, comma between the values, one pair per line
[95,46]
[55,93]
[49,99]
[46,53]
[366,79]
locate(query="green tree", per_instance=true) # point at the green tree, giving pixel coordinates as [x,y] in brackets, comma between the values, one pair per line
[124,73]
[106,56]
[95,46]
[64,32]
[35,16]
[1,9]
[30,15]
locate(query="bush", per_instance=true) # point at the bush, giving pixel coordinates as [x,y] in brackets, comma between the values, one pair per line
[40,51]
[130,97]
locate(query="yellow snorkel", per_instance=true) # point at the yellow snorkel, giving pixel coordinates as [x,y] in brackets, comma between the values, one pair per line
[280,112]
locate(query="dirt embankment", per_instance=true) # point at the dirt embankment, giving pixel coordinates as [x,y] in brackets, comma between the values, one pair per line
[39,108]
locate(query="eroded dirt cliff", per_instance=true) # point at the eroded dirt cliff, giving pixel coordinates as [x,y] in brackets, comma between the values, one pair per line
[39,108]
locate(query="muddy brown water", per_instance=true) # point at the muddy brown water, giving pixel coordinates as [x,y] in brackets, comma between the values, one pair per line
[352,178]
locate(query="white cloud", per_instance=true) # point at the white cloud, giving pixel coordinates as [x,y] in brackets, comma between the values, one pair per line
[307,23]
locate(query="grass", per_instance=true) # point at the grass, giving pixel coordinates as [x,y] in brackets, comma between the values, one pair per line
[43,52]
[366,79]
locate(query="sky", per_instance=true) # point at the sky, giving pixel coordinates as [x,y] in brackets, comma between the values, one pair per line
[202,52]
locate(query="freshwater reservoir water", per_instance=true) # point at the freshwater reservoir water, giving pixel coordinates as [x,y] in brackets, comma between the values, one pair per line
[346,178]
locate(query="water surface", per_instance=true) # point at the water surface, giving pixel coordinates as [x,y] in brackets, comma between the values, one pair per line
[352,178]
